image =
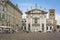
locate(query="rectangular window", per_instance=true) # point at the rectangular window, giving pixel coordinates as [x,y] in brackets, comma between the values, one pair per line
[43,27]
[0,16]
[4,9]
[35,20]
[29,27]
[1,7]
[50,28]
[46,28]
[3,16]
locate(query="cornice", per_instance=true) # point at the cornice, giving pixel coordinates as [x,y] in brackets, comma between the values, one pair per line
[11,4]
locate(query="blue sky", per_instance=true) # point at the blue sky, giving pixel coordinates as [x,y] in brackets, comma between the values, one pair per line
[48,4]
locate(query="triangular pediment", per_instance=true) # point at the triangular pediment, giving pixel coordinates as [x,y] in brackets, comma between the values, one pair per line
[36,11]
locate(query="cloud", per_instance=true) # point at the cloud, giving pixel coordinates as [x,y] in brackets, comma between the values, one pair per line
[24,16]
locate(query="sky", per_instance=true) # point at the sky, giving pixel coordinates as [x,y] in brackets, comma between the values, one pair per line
[23,5]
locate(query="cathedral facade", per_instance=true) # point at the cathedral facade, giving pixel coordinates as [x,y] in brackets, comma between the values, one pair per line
[36,20]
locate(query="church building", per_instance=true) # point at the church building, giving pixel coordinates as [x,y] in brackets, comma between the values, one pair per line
[36,20]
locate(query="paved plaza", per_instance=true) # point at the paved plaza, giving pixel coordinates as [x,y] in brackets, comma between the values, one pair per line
[30,36]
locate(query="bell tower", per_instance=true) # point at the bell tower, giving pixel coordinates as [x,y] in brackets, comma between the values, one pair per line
[52,17]
[52,14]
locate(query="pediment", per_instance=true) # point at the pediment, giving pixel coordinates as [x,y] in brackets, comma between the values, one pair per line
[36,11]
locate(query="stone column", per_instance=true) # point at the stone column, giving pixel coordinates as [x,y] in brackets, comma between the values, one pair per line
[45,25]
[31,25]
[27,24]
[40,25]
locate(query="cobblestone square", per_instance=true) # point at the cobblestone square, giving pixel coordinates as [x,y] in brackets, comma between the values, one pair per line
[30,36]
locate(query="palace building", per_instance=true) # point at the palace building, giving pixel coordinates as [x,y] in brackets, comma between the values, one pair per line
[36,20]
[10,15]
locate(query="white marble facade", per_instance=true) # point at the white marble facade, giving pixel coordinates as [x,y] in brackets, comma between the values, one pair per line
[36,20]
